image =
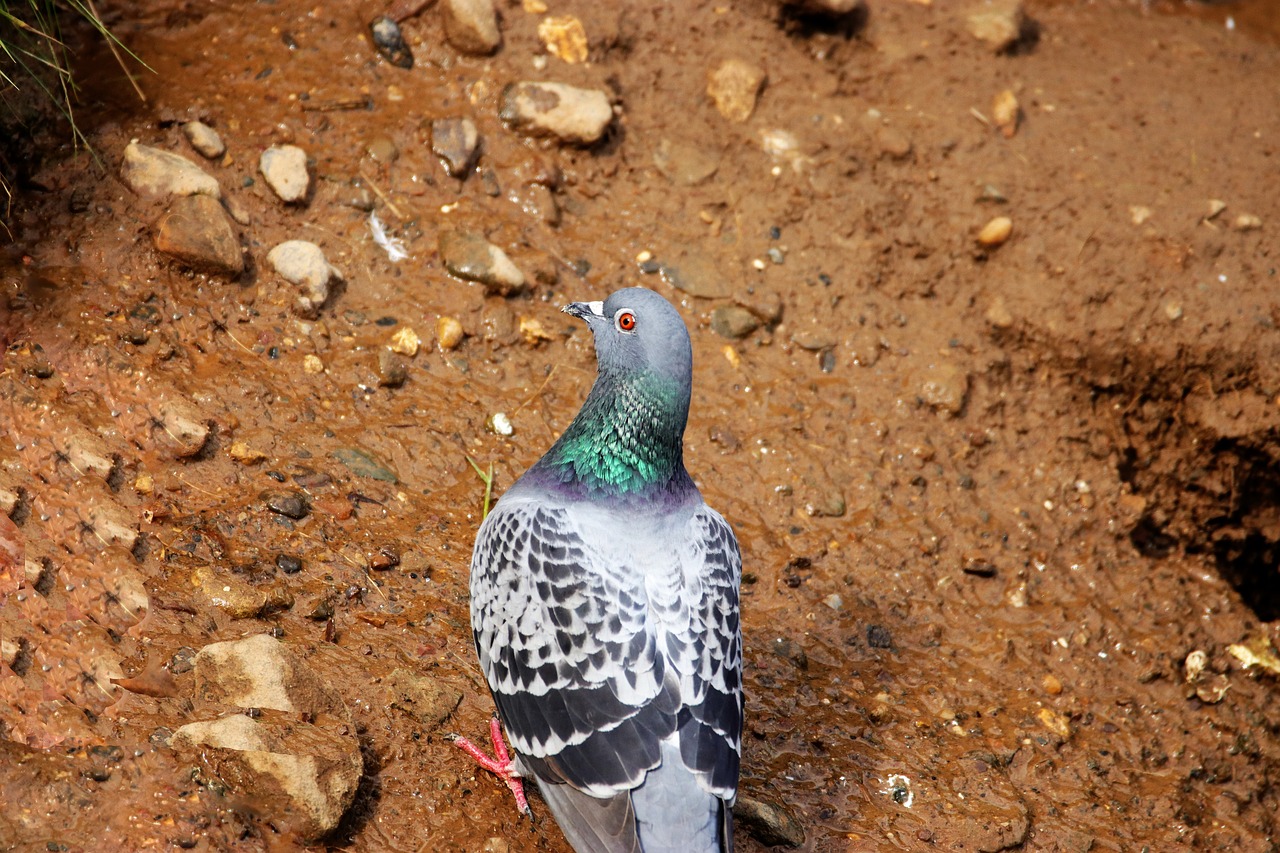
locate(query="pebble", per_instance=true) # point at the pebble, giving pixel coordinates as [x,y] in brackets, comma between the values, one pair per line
[733,322]
[1247,222]
[406,341]
[878,637]
[285,169]
[471,25]
[244,454]
[893,143]
[184,428]
[1005,113]
[393,370]
[998,314]
[995,232]
[204,139]
[998,23]
[470,256]
[1052,685]
[734,86]
[288,564]
[533,332]
[383,149]
[1216,206]
[302,263]
[151,171]
[449,333]
[697,274]
[312,364]
[572,115]
[771,824]
[195,231]
[362,463]
[238,599]
[455,141]
[814,340]
[564,38]
[390,42]
[287,502]
[500,424]
[945,386]
[428,700]
[685,165]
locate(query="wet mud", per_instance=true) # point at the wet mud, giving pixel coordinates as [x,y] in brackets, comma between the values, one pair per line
[1009,509]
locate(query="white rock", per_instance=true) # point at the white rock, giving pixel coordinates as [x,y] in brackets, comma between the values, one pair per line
[285,169]
[304,264]
[262,672]
[204,139]
[471,25]
[577,116]
[150,171]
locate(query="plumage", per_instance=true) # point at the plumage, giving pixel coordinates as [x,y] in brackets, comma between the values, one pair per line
[604,605]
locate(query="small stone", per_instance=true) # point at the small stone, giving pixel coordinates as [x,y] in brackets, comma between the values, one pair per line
[393,370]
[533,332]
[244,454]
[500,424]
[814,340]
[288,564]
[893,143]
[204,139]
[471,25]
[834,601]
[496,845]
[151,171]
[697,274]
[995,232]
[470,256]
[428,700]
[285,169]
[685,165]
[390,42]
[771,824]
[236,598]
[312,364]
[184,427]
[1216,206]
[734,86]
[998,23]
[945,386]
[1247,222]
[825,8]
[455,141]
[286,502]
[878,637]
[449,333]
[1057,723]
[998,314]
[1139,213]
[572,115]
[302,263]
[565,38]
[733,322]
[383,559]
[383,149]
[1173,310]
[195,232]
[406,342]
[144,484]
[1005,113]
[1052,685]
[362,463]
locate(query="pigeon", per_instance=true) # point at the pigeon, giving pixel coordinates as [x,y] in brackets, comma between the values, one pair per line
[604,606]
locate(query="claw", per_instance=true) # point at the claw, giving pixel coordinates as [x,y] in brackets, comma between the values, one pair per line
[501,765]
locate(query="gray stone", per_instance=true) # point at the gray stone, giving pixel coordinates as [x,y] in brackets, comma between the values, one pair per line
[471,25]
[455,140]
[697,274]
[196,232]
[771,824]
[733,321]
[204,139]
[285,169]
[302,263]
[291,503]
[393,369]
[572,115]
[150,171]
[470,256]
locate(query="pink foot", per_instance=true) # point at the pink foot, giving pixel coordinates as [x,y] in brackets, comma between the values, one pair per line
[501,766]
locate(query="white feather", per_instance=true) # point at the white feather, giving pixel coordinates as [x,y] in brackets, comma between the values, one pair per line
[394,246]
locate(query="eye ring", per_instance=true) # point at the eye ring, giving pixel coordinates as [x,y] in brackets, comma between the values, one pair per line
[625,321]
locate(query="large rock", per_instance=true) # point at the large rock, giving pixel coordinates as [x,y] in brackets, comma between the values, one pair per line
[195,231]
[285,169]
[470,256]
[262,672]
[304,264]
[298,774]
[150,171]
[471,25]
[573,115]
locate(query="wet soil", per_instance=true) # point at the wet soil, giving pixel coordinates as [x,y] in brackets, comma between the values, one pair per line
[990,500]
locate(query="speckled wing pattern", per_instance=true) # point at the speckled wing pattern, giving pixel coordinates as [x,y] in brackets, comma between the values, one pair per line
[600,643]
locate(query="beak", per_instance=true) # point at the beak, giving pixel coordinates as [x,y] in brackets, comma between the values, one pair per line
[585,310]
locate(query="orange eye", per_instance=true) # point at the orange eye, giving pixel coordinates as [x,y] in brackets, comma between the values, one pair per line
[626,321]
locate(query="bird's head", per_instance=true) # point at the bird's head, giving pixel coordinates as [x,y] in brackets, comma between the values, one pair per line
[638,333]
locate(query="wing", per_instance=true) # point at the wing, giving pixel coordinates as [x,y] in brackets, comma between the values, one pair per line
[710,664]
[565,641]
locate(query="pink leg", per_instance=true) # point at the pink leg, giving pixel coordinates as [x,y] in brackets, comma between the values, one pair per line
[501,766]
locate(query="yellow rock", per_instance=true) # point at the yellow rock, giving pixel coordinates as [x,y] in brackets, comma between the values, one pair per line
[565,38]
[1004,112]
[734,86]
[995,232]
[406,342]
[449,333]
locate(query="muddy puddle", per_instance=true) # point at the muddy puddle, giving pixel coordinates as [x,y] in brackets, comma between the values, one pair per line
[1008,506]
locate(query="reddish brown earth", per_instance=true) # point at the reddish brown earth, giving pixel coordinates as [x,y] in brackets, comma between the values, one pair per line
[989,500]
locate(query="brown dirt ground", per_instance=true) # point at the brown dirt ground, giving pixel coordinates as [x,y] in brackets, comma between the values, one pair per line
[989,500]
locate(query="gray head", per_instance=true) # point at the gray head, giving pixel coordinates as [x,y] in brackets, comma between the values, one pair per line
[638,332]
